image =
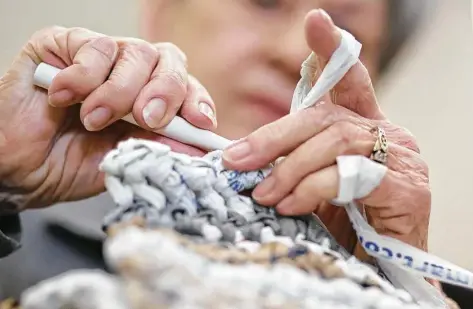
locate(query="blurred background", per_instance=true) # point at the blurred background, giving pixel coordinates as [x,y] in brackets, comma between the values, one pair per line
[428,89]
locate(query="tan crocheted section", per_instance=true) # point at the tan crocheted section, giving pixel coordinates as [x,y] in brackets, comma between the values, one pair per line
[9,304]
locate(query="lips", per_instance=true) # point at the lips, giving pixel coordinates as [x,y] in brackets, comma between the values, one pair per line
[271,106]
[274,95]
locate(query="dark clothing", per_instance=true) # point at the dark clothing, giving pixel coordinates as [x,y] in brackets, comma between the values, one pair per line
[10,234]
[53,240]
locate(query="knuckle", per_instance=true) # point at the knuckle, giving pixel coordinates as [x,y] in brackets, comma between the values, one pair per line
[421,212]
[105,46]
[300,195]
[332,112]
[143,50]
[410,142]
[403,137]
[78,29]
[412,145]
[425,168]
[73,39]
[270,134]
[345,133]
[422,168]
[308,116]
[68,35]
[420,202]
[175,79]
[408,226]
[278,174]
[173,49]
[321,116]
[148,51]
[412,164]
[194,82]
[119,84]
[407,133]
[309,189]
[88,82]
[287,172]
[322,112]
[425,196]
[42,37]
[47,31]
[74,30]
[84,71]
[264,138]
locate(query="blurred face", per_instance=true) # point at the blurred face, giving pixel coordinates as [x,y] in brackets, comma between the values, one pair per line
[248,53]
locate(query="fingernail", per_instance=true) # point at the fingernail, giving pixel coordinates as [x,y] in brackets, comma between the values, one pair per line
[97,118]
[61,97]
[154,112]
[264,188]
[286,205]
[208,112]
[325,15]
[237,151]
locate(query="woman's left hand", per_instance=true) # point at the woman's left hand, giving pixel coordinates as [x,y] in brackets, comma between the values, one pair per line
[342,124]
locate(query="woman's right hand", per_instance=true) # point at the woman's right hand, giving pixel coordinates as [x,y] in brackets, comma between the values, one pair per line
[50,146]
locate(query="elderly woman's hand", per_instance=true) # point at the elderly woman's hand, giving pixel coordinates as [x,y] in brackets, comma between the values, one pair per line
[311,140]
[50,146]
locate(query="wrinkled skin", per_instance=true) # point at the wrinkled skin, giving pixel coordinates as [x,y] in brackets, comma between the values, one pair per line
[50,152]
[312,139]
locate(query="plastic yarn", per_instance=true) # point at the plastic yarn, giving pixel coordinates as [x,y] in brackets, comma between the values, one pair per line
[204,245]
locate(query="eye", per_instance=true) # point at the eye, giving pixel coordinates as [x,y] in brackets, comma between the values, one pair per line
[268,4]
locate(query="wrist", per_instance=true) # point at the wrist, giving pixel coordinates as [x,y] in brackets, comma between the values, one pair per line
[18,194]
[13,196]
[21,186]
[12,200]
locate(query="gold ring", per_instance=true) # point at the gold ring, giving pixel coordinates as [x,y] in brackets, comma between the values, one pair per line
[380,150]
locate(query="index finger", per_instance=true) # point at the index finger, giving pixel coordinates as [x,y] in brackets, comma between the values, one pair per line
[280,137]
[355,91]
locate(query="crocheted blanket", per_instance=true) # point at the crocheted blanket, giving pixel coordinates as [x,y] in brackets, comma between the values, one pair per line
[184,236]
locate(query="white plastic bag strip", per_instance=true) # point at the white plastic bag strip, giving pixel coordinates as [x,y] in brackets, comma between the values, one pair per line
[404,265]
[359,176]
[342,60]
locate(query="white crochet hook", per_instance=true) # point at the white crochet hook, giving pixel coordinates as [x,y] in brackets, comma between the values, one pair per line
[178,129]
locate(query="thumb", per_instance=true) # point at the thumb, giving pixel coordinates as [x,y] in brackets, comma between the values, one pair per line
[355,91]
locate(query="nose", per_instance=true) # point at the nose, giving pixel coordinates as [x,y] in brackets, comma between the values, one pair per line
[289,49]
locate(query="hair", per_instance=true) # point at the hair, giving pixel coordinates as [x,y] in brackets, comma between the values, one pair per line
[405,18]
